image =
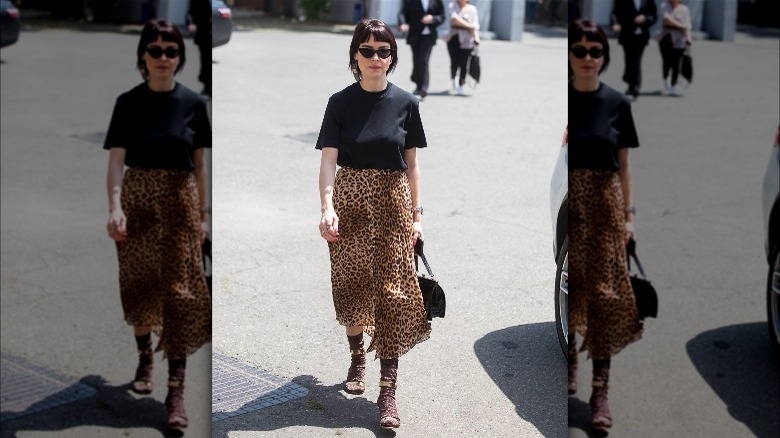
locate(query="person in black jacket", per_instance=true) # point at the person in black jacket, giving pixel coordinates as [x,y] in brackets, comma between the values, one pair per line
[632,20]
[199,23]
[420,18]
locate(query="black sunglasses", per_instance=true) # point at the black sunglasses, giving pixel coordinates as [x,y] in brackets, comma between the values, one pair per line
[594,52]
[368,52]
[157,52]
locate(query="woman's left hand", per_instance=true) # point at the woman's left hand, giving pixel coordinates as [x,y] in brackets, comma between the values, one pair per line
[416,232]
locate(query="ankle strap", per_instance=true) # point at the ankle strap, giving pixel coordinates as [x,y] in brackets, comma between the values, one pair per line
[357,352]
[386,384]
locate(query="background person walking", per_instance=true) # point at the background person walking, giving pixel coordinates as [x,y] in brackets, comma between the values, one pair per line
[461,40]
[371,212]
[199,24]
[420,18]
[674,38]
[157,212]
[632,20]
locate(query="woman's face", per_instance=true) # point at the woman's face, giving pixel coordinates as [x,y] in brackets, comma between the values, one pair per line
[589,66]
[166,61]
[375,66]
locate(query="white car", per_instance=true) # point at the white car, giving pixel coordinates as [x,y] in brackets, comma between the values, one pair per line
[771,204]
[559,210]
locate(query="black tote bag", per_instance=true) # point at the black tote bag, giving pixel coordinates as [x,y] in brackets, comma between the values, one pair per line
[433,295]
[644,292]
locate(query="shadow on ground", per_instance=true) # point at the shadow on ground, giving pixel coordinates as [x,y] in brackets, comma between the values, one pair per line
[526,363]
[738,363]
[112,406]
[324,407]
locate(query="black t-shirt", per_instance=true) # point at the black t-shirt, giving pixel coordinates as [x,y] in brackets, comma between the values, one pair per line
[372,129]
[600,123]
[159,130]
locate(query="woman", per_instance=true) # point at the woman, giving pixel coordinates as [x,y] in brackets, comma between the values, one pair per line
[601,131]
[461,40]
[371,211]
[674,38]
[158,211]
[420,19]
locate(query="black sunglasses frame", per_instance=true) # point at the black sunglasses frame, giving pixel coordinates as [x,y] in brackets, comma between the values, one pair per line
[157,52]
[368,52]
[580,52]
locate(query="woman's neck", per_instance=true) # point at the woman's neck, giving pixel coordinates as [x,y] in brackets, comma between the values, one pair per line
[585,85]
[162,85]
[373,85]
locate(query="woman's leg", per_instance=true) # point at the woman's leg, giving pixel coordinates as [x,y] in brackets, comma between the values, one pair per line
[142,383]
[388,413]
[599,404]
[356,376]
[463,59]
[666,46]
[572,384]
[174,401]
[675,58]
[453,48]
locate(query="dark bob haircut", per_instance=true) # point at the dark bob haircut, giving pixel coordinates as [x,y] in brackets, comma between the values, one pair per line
[381,32]
[591,31]
[166,30]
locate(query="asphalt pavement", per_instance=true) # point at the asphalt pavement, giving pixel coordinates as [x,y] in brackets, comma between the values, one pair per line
[493,366]
[704,367]
[68,354]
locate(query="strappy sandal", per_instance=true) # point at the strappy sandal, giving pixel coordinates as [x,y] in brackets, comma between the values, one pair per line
[174,403]
[572,384]
[142,383]
[599,404]
[356,375]
[388,414]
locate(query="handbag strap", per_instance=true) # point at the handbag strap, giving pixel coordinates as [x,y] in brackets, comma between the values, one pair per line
[631,251]
[418,251]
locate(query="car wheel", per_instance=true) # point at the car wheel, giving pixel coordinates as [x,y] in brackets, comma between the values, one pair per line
[773,300]
[562,296]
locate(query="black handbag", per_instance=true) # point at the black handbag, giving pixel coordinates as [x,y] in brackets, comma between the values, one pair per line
[686,68]
[206,252]
[474,69]
[433,295]
[644,292]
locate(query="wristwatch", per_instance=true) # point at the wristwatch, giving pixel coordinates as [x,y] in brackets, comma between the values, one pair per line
[418,208]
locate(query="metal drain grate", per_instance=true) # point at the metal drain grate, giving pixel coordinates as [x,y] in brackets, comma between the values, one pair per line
[237,388]
[27,388]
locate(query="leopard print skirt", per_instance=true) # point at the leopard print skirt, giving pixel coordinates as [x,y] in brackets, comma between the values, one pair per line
[372,264]
[161,277]
[601,302]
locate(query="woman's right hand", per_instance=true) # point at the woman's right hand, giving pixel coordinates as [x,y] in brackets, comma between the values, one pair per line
[117,225]
[329,226]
